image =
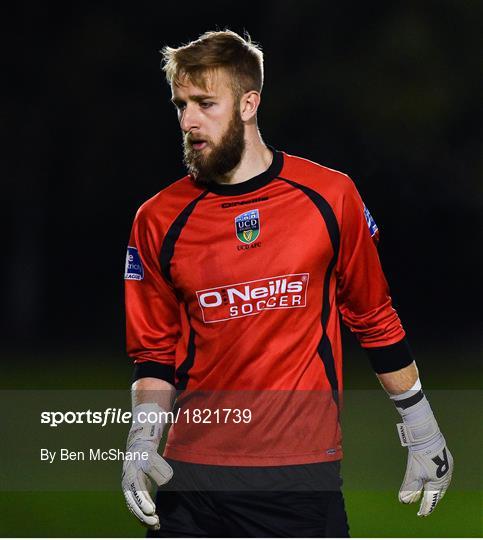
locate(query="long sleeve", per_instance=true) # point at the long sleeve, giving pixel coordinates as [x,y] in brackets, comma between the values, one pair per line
[152,310]
[362,289]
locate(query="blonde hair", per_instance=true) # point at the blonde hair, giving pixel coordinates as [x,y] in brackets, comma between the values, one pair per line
[240,57]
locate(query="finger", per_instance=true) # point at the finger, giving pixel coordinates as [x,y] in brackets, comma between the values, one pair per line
[135,483]
[142,485]
[430,499]
[411,488]
[409,497]
[433,493]
[160,471]
[445,487]
[149,521]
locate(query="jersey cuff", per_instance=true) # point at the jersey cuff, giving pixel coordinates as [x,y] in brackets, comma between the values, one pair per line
[153,369]
[391,358]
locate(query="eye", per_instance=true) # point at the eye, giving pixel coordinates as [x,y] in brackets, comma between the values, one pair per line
[206,104]
[179,106]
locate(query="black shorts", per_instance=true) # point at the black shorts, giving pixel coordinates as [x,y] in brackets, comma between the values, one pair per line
[289,501]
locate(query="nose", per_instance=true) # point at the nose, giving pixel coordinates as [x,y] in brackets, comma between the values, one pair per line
[188,119]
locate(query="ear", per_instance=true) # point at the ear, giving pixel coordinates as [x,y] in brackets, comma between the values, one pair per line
[249,105]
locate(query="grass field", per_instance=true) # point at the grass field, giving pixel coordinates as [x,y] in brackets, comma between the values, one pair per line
[103,514]
[43,501]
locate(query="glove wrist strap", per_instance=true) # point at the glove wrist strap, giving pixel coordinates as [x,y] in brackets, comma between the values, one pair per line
[417,434]
[419,429]
[149,420]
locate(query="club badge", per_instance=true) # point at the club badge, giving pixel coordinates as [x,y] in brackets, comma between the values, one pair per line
[247,226]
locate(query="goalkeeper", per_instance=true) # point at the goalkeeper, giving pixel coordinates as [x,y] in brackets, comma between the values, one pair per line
[236,276]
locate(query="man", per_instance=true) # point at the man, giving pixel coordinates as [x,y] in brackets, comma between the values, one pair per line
[235,277]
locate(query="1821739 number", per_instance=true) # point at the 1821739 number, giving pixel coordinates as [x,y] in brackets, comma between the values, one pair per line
[217,416]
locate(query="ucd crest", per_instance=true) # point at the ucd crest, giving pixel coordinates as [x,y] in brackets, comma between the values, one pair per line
[247,226]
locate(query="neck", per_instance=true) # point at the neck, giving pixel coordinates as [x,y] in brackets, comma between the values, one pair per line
[255,160]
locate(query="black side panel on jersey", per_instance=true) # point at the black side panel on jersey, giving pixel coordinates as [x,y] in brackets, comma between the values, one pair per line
[325,347]
[171,237]
[167,252]
[182,373]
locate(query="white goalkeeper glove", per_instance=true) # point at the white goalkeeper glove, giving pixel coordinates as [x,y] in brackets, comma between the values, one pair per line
[430,463]
[139,476]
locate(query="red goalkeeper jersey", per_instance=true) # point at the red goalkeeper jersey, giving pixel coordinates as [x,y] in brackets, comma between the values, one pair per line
[233,294]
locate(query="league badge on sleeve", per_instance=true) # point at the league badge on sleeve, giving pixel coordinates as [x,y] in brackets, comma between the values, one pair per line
[247,226]
[373,228]
[134,267]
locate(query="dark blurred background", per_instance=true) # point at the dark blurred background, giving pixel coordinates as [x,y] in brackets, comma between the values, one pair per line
[388,92]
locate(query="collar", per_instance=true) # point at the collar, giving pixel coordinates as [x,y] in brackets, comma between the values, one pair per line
[254,183]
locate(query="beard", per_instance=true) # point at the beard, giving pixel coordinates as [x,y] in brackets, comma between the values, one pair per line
[222,157]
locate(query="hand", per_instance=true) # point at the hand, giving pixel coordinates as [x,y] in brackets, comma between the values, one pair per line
[146,468]
[428,472]
[138,477]
[430,463]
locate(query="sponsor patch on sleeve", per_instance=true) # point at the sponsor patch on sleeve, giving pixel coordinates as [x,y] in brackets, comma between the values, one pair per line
[134,267]
[373,228]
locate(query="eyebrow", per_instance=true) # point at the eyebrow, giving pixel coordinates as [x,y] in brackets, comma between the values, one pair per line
[198,98]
